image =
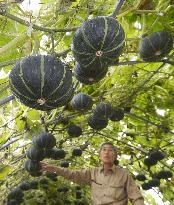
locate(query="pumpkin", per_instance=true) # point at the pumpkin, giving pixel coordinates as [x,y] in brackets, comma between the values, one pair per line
[16,193]
[34,184]
[76,152]
[41,82]
[81,102]
[74,130]
[57,154]
[146,186]
[97,123]
[44,140]
[24,186]
[35,153]
[155,46]
[150,161]
[103,109]
[98,42]
[164,174]
[154,182]
[117,114]
[51,175]
[32,166]
[157,155]
[140,177]
[64,164]
[89,76]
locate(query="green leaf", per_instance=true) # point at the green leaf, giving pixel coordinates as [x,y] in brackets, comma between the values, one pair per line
[4,171]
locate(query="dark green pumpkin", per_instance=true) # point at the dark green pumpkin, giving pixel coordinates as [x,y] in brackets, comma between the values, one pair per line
[154,182]
[44,140]
[150,161]
[103,109]
[76,152]
[74,130]
[16,193]
[41,82]
[32,166]
[24,186]
[98,42]
[57,154]
[97,123]
[140,177]
[91,75]
[35,153]
[81,102]
[164,174]
[157,155]
[117,114]
[146,186]
[155,46]
[64,164]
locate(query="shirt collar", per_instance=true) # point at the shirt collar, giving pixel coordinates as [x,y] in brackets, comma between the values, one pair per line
[113,169]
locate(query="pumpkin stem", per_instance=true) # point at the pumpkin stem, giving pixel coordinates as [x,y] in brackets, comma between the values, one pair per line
[118,7]
[41,101]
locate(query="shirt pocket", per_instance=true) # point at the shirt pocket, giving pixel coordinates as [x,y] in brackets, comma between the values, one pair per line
[118,192]
[96,188]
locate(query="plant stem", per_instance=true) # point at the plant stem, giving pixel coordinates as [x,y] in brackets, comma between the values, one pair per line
[118,7]
[34,26]
[7,99]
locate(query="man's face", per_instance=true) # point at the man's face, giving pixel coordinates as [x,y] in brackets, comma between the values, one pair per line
[107,154]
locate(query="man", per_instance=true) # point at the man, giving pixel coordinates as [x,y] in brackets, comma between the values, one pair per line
[110,184]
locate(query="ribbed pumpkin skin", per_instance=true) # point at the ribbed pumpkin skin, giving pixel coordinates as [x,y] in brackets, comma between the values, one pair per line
[41,82]
[140,177]
[44,140]
[164,174]
[117,114]
[97,123]
[57,154]
[98,41]
[81,102]
[76,152]
[103,109]
[15,193]
[155,46]
[35,153]
[89,76]
[74,131]
[32,166]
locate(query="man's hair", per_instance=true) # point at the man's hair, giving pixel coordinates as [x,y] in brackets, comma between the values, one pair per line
[108,143]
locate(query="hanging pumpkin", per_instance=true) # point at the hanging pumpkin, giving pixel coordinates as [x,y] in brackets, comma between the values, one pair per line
[155,46]
[98,42]
[81,102]
[74,130]
[97,123]
[35,153]
[91,75]
[117,114]
[103,110]
[41,82]
[44,140]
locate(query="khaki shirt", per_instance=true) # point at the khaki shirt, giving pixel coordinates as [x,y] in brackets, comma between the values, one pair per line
[115,188]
